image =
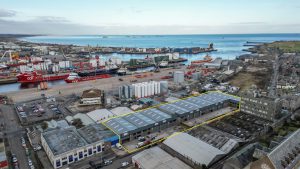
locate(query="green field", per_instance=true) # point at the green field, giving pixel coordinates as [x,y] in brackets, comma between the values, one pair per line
[288,46]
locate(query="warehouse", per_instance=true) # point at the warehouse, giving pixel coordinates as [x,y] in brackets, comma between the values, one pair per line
[156,158]
[66,146]
[144,122]
[192,150]
[138,124]
[100,115]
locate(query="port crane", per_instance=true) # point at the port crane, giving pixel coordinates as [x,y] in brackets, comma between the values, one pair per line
[10,55]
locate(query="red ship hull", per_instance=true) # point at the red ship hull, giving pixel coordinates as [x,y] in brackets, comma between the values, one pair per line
[35,78]
[87,78]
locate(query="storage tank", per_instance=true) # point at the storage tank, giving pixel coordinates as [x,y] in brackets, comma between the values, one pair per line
[178,77]
[164,87]
[196,76]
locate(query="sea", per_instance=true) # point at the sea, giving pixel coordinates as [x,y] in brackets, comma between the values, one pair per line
[229,46]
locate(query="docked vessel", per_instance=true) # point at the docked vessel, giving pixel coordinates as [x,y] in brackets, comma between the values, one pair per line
[122,71]
[35,77]
[206,59]
[101,71]
[74,78]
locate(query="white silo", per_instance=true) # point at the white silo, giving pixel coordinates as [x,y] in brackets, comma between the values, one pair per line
[164,87]
[178,77]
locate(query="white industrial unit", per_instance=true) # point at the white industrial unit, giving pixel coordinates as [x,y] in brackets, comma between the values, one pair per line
[146,89]
[178,77]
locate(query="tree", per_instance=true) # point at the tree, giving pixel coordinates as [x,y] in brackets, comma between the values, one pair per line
[44,125]
[77,123]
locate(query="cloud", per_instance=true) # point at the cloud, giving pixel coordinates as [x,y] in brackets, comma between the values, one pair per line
[7,13]
[249,23]
[52,19]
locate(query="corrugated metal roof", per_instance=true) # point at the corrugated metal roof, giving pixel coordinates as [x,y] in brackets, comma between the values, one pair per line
[193,148]
[156,158]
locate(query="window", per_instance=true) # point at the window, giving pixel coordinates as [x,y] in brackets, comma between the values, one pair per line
[58,163]
[65,163]
[70,158]
[64,158]
[90,151]
[98,148]
[80,155]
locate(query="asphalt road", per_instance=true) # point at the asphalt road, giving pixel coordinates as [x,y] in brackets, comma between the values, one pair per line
[14,132]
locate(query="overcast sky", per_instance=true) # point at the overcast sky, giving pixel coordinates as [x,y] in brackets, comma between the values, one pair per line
[70,17]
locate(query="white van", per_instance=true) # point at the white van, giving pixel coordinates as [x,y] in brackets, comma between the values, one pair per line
[118,145]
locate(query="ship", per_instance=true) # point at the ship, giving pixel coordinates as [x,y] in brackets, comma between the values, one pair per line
[122,71]
[74,77]
[101,71]
[206,59]
[35,77]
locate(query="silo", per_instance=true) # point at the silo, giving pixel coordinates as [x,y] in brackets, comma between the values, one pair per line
[164,87]
[178,77]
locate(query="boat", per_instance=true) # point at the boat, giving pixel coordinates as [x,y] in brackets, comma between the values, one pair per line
[35,77]
[101,71]
[122,71]
[206,59]
[163,64]
[74,78]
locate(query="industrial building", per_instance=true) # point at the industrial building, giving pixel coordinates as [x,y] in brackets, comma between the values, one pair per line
[126,91]
[252,102]
[156,158]
[191,150]
[100,115]
[144,89]
[178,77]
[286,155]
[64,146]
[138,124]
[144,122]
[92,97]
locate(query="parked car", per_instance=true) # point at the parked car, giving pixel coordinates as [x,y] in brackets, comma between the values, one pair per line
[107,162]
[141,139]
[125,163]
[14,158]
[118,145]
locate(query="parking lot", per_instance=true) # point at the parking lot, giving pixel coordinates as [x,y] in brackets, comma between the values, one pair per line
[39,110]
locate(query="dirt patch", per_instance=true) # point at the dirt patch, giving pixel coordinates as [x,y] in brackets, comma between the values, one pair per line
[246,79]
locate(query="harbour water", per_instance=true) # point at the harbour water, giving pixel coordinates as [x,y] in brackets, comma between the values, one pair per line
[228,46]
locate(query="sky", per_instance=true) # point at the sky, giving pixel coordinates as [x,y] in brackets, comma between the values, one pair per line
[90,17]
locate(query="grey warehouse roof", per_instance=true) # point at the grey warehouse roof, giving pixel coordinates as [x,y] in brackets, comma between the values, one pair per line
[137,120]
[63,140]
[156,114]
[156,158]
[95,132]
[120,125]
[193,148]
[171,108]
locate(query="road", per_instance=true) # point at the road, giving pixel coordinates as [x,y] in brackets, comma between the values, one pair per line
[108,84]
[13,132]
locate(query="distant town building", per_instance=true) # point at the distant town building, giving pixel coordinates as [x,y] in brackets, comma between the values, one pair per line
[92,97]
[178,77]
[252,102]
[286,155]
